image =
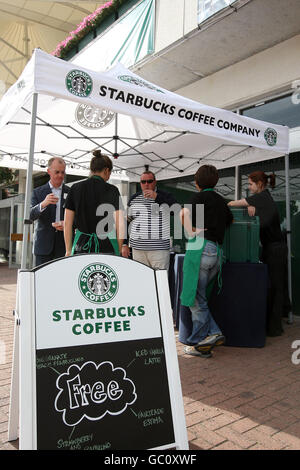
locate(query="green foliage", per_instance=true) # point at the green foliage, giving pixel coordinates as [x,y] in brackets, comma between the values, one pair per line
[6,175]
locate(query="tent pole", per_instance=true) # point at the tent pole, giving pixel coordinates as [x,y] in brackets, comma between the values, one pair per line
[29,182]
[288,229]
[116,135]
[237,183]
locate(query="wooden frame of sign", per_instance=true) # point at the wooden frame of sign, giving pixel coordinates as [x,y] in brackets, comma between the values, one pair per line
[98,360]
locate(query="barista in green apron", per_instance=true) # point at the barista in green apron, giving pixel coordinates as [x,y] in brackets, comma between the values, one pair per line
[94,207]
[203,260]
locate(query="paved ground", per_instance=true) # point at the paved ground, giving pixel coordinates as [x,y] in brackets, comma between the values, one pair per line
[239,399]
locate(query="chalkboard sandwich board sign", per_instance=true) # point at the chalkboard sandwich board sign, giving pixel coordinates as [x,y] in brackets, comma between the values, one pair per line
[99,365]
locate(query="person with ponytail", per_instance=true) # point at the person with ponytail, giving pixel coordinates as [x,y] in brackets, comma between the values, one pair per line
[274,248]
[94,207]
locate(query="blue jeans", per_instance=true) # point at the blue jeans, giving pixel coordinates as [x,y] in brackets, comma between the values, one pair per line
[203,322]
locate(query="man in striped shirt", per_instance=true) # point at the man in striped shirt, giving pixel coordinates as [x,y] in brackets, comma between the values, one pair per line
[149,213]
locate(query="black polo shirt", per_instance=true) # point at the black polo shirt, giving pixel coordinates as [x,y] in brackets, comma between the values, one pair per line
[269,220]
[217,215]
[85,198]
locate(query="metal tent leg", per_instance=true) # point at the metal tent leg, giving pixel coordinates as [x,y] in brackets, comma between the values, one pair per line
[288,229]
[29,182]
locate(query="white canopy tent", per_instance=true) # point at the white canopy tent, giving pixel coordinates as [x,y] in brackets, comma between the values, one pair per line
[59,108]
[76,113]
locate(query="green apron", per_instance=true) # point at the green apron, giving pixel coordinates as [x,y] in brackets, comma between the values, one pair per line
[191,267]
[93,237]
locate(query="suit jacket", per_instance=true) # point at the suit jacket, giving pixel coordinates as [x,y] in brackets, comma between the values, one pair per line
[44,234]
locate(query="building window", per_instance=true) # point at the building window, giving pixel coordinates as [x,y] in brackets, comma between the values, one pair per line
[281,111]
[207,8]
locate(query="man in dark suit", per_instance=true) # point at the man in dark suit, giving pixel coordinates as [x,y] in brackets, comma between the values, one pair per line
[47,207]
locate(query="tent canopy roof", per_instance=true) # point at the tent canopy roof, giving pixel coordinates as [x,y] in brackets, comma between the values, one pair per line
[27,24]
[134,121]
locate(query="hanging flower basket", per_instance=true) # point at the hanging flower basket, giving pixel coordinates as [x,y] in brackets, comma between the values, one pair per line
[89,23]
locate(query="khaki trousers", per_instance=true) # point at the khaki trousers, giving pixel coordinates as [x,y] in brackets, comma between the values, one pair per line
[156,259]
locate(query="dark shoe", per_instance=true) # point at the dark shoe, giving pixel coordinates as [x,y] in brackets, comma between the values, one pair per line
[191,351]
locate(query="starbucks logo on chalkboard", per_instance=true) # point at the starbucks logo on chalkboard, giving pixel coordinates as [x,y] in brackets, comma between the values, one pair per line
[79,83]
[271,136]
[98,283]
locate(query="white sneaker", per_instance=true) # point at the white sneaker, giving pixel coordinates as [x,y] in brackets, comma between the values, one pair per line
[191,351]
[212,340]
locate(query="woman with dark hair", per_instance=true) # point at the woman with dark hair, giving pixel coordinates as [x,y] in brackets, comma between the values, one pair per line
[202,259]
[94,206]
[274,249]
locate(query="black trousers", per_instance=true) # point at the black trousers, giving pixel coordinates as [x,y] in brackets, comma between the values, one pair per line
[57,252]
[275,256]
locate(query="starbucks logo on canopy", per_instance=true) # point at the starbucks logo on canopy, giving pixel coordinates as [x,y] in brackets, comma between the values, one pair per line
[79,83]
[98,283]
[138,82]
[93,117]
[271,136]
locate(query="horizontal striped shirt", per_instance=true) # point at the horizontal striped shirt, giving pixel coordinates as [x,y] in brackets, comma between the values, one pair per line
[149,221]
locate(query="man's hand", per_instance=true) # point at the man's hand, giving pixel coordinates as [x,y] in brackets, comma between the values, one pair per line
[149,194]
[49,199]
[58,225]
